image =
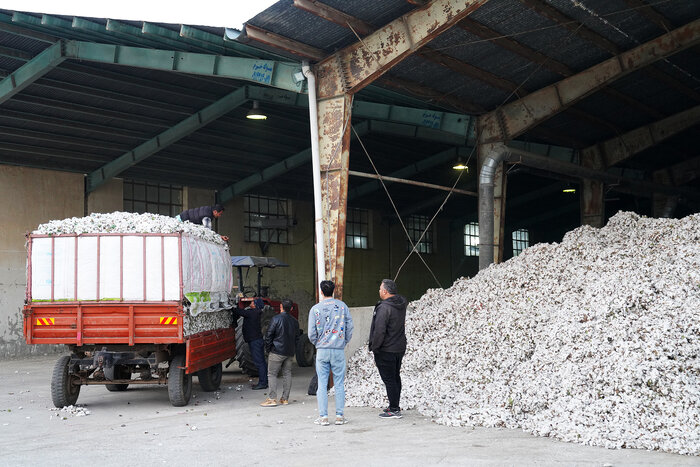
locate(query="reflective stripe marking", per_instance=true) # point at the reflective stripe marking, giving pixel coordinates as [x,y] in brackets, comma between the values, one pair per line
[45,321]
[168,320]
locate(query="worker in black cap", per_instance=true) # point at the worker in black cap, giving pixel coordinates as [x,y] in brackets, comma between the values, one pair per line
[203,215]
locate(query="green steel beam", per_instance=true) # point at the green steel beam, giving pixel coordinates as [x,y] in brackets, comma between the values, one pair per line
[271,73]
[168,137]
[440,158]
[292,162]
[31,71]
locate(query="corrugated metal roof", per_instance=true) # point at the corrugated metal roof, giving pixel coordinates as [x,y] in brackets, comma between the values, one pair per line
[83,114]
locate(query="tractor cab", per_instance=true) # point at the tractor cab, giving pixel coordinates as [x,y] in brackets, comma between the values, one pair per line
[246,293]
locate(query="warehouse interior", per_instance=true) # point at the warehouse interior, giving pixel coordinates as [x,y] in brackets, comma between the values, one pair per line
[103,115]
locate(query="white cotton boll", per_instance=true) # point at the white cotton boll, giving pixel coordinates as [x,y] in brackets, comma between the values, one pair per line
[593,340]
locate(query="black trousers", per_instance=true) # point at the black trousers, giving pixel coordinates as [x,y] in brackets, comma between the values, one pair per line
[389,366]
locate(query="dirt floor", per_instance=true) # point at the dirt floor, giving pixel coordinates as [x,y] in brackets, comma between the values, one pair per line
[228,427]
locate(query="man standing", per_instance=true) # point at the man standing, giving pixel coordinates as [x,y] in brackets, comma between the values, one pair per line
[252,335]
[387,339]
[203,215]
[330,329]
[281,342]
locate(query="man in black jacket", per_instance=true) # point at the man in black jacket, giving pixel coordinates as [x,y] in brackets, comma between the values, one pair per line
[203,215]
[252,335]
[387,339]
[281,342]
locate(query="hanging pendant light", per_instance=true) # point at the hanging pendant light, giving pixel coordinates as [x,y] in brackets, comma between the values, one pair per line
[460,165]
[255,113]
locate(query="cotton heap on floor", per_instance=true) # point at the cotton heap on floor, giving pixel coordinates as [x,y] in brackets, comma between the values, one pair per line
[594,340]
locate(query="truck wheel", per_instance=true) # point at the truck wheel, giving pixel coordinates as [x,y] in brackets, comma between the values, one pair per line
[117,372]
[179,383]
[245,359]
[306,351]
[210,378]
[63,391]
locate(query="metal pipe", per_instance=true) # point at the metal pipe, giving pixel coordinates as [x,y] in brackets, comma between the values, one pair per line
[486,203]
[316,167]
[412,182]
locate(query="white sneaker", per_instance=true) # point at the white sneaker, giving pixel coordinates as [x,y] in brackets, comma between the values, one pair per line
[323,421]
[340,420]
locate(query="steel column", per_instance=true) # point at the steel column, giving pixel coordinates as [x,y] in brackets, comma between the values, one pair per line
[334,141]
[592,196]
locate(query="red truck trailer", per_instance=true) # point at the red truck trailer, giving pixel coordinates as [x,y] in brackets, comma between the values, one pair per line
[124,305]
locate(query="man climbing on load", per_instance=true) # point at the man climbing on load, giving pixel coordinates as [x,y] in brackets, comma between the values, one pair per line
[203,215]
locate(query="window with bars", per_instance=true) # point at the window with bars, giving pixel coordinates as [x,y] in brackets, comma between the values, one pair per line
[521,240]
[158,198]
[266,219]
[471,239]
[357,229]
[415,225]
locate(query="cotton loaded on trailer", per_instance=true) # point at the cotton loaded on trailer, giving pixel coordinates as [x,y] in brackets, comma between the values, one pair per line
[133,308]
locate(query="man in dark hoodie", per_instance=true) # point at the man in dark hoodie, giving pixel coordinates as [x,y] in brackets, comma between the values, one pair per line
[387,339]
[203,215]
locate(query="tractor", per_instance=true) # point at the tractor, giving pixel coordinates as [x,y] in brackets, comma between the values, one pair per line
[305,352]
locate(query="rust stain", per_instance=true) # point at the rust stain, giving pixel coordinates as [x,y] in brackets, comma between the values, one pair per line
[332,122]
[433,26]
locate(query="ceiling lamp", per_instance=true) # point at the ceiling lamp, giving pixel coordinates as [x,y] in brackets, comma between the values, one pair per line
[569,189]
[255,113]
[460,165]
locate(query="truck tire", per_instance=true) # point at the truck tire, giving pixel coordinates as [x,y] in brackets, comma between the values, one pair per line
[245,359]
[117,372]
[305,352]
[210,378]
[63,391]
[179,383]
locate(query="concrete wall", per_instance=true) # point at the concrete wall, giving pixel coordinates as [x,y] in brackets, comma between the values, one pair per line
[362,320]
[30,197]
[107,198]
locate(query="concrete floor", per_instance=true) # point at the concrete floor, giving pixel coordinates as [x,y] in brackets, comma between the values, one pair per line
[139,427]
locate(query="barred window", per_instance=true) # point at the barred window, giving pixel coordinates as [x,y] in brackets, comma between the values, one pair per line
[157,198]
[266,219]
[415,226]
[471,239]
[521,240]
[357,229]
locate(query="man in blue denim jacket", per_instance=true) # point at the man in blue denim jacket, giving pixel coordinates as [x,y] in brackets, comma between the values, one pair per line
[330,329]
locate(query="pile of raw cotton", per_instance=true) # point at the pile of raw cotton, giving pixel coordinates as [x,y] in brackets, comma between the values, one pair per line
[126,222]
[595,340]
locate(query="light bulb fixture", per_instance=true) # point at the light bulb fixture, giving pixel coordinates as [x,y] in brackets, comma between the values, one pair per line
[255,113]
[460,165]
[569,189]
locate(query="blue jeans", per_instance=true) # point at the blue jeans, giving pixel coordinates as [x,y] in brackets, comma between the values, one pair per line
[328,360]
[258,355]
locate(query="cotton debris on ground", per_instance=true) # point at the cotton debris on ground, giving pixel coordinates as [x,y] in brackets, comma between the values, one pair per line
[594,340]
[127,222]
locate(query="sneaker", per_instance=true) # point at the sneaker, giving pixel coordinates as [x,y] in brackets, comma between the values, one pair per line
[260,386]
[269,403]
[323,421]
[284,401]
[390,414]
[340,420]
